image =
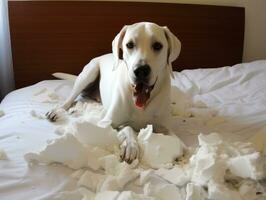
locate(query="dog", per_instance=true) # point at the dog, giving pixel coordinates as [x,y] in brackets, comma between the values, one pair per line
[135,82]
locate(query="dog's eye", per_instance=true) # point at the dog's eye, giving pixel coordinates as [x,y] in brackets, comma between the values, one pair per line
[157,46]
[130,45]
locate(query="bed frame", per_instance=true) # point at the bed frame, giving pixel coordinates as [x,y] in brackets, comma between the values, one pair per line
[51,36]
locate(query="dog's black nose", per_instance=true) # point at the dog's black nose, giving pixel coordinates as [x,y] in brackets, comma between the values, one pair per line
[142,72]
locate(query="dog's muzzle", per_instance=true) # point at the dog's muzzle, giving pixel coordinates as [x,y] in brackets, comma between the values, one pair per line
[141,87]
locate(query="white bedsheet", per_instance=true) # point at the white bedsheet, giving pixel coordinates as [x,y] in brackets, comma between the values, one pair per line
[237,93]
[228,100]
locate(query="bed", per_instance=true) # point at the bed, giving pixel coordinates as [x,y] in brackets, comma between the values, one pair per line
[213,91]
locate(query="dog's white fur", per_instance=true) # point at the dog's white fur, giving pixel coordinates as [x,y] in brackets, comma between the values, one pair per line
[117,78]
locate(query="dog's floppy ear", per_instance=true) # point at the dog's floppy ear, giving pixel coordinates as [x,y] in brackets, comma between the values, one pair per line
[174,48]
[117,46]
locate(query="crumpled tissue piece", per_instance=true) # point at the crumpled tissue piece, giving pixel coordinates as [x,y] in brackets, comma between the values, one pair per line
[162,191]
[3,155]
[195,192]
[158,149]
[208,167]
[181,102]
[247,166]
[2,113]
[113,166]
[87,194]
[94,157]
[144,176]
[110,164]
[216,160]
[91,134]
[90,111]
[218,191]
[37,115]
[214,157]
[186,105]
[176,175]
[129,195]
[213,139]
[106,182]
[125,175]
[46,95]
[66,150]
[92,181]
[112,195]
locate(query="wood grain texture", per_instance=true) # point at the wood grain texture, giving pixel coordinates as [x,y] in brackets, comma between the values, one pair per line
[50,36]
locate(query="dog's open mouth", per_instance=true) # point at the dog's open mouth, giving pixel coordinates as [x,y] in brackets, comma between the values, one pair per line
[141,93]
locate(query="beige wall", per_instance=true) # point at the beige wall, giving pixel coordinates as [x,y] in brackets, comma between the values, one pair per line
[255,28]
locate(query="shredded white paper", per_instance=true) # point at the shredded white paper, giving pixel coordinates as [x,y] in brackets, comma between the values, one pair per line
[3,155]
[2,113]
[215,170]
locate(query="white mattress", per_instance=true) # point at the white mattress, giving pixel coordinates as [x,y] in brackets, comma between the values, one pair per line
[235,95]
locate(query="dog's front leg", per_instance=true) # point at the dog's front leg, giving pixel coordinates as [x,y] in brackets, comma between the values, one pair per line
[87,76]
[129,149]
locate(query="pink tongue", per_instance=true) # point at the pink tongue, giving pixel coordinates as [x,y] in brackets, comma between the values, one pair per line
[139,103]
[141,95]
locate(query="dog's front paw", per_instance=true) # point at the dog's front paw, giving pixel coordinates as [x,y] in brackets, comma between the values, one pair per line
[129,151]
[54,114]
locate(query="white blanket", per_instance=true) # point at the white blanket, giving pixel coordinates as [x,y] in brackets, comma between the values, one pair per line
[230,101]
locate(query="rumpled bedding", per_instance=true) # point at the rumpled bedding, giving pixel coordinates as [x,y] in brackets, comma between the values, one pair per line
[219,114]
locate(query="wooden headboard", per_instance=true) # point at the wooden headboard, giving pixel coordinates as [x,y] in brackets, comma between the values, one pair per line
[50,36]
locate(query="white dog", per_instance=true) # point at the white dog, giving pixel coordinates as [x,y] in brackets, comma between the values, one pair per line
[134,82]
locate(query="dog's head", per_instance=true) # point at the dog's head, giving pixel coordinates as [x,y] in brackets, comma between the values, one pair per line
[148,51]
